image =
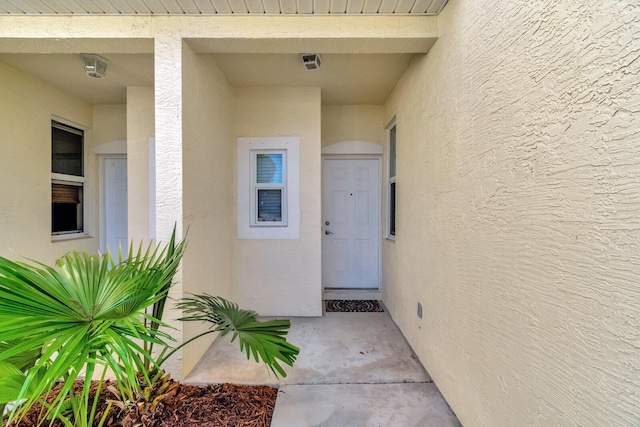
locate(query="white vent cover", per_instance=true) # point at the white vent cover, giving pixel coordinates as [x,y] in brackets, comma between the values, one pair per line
[311,61]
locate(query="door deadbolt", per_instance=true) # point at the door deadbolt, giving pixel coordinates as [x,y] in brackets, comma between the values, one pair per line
[326,223]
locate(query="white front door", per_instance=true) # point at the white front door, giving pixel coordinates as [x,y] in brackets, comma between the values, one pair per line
[351,223]
[114,208]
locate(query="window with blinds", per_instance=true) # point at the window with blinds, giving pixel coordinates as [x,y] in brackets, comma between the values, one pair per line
[67,179]
[269,188]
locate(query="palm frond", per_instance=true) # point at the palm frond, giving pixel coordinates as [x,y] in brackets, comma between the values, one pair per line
[11,382]
[264,341]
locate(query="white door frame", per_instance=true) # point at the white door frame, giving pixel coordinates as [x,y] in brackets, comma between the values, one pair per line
[102,158]
[358,150]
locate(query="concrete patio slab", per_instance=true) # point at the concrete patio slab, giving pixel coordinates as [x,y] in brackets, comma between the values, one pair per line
[354,369]
[337,348]
[362,405]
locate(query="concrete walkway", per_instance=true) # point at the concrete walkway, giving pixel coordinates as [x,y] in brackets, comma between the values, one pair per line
[354,369]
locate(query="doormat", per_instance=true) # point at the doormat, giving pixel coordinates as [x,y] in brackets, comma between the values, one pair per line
[353,306]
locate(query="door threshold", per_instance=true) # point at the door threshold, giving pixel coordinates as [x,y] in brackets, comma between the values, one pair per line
[352,294]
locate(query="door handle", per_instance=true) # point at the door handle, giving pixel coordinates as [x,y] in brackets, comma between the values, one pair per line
[327,232]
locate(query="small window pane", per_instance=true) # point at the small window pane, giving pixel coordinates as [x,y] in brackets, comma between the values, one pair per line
[392,152]
[66,148]
[269,168]
[66,208]
[392,209]
[270,205]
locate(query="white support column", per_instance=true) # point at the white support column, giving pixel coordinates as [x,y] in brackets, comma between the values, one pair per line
[168,119]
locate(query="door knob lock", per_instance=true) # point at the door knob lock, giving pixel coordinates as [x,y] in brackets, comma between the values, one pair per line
[327,232]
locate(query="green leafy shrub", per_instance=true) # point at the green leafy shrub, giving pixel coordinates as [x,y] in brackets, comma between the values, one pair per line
[63,323]
[90,315]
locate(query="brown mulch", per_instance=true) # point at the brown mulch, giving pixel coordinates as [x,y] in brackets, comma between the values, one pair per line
[219,405]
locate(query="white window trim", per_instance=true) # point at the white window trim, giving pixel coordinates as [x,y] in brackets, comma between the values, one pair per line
[391,179]
[247,228]
[60,178]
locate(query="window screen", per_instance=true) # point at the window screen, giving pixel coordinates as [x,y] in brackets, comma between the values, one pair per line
[269,188]
[67,179]
[66,148]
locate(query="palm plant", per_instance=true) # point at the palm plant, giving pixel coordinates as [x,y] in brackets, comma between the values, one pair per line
[65,322]
[91,314]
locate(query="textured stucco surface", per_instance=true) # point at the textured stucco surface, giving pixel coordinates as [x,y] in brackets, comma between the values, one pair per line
[518,225]
[26,110]
[282,277]
[169,172]
[140,127]
[352,123]
[209,155]
[109,123]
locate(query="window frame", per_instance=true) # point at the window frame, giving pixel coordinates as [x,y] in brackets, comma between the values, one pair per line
[392,136]
[256,187]
[244,194]
[71,180]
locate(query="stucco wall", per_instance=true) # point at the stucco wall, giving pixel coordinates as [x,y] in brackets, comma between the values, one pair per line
[517,218]
[140,127]
[282,277]
[352,123]
[26,110]
[209,155]
[109,123]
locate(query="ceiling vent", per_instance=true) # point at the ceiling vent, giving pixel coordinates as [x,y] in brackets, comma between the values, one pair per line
[311,61]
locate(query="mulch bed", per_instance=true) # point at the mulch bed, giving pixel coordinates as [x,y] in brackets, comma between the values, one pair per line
[219,405]
[353,306]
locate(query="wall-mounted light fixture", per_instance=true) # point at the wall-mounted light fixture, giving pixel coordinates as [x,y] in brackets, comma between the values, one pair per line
[94,65]
[311,61]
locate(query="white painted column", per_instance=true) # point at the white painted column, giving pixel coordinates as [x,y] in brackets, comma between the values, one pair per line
[168,118]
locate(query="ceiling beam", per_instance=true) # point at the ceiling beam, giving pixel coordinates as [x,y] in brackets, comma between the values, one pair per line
[219,34]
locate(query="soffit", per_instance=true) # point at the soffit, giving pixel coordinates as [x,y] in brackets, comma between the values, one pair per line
[221,7]
[343,78]
[66,73]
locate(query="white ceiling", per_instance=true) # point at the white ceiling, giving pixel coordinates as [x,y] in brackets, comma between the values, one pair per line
[221,7]
[343,78]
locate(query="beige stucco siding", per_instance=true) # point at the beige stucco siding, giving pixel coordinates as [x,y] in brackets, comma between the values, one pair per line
[282,277]
[140,127]
[352,123]
[26,110]
[209,155]
[517,179]
[109,123]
